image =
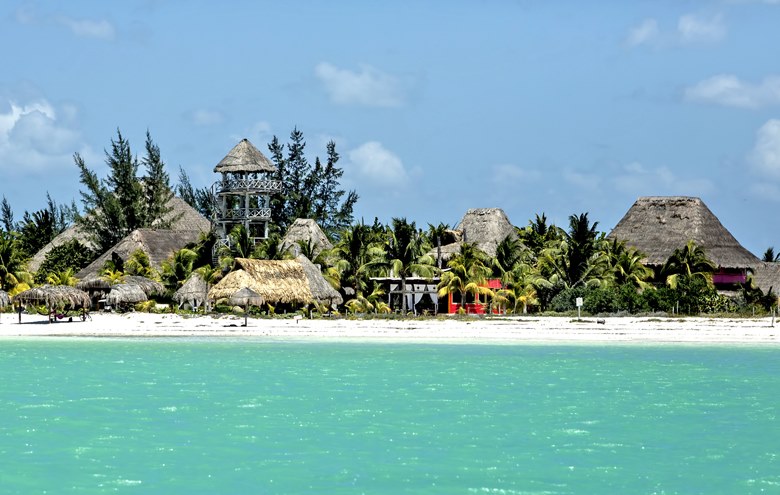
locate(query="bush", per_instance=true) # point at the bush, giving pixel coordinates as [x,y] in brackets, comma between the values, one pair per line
[566,300]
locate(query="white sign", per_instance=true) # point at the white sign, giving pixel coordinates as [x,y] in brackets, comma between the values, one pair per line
[579,302]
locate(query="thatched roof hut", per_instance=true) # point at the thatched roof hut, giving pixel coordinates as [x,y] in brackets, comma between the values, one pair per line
[244,158]
[306,230]
[657,225]
[194,292]
[5,299]
[182,217]
[767,276]
[246,297]
[149,286]
[484,227]
[295,281]
[93,282]
[159,245]
[54,296]
[122,294]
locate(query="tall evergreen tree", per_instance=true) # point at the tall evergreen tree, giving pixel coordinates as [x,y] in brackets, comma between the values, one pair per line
[6,215]
[157,187]
[278,201]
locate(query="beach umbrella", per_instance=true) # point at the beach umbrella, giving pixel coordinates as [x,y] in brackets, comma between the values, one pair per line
[125,294]
[245,297]
[53,296]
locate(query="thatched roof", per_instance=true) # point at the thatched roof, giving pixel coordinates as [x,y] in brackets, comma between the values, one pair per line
[246,297]
[244,157]
[295,281]
[185,218]
[5,299]
[159,245]
[306,230]
[149,286]
[53,296]
[767,276]
[93,282]
[483,227]
[194,291]
[657,225]
[125,294]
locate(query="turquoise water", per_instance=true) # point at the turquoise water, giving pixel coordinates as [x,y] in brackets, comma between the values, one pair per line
[189,416]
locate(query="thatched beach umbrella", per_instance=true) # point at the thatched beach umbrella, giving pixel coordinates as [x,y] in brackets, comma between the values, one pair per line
[93,282]
[194,291]
[54,296]
[122,294]
[148,286]
[246,297]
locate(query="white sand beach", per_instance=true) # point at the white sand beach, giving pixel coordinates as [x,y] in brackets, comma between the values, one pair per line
[494,330]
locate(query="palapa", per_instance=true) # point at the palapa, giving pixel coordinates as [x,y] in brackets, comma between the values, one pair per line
[296,282]
[194,292]
[657,225]
[485,228]
[93,282]
[149,286]
[246,297]
[245,158]
[54,296]
[123,294]
[305,230]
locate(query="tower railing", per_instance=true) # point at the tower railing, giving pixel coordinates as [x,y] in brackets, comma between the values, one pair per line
[245,213]
[246,184]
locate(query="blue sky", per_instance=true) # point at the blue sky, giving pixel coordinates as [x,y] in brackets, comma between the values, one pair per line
[436,107]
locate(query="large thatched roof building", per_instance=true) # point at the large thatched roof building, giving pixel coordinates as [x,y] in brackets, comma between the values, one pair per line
[305,230]
[766,276]
[159,245]
[294,282]
[182,216]
[657,225]
[483,227]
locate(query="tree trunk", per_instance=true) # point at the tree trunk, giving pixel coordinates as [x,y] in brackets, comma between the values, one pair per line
[403,295]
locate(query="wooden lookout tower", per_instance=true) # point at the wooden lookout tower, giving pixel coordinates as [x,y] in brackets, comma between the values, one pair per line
[244,193]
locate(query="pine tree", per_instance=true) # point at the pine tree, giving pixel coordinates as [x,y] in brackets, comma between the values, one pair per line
[157,188]
[278,201]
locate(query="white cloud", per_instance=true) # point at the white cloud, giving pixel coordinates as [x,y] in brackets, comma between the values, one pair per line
[691,28]
[89,28]
[33,138]
[765,156]
[645,32]
[729,90]
[635,179]
[205,117]
[369,87]
[374,163]
[590,182]
[509,175]
[695,28]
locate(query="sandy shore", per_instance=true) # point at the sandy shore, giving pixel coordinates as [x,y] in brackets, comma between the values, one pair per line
[503,330]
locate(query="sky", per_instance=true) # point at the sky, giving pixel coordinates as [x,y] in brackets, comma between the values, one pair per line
[554,107]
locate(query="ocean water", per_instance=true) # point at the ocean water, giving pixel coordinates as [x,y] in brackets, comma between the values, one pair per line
[253,417]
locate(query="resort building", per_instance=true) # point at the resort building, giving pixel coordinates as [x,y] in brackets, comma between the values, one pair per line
[657,225]
[244,193]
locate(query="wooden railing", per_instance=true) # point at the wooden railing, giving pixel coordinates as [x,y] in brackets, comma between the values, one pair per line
[237,184]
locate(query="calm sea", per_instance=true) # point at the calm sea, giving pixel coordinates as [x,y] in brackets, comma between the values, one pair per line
[246,417]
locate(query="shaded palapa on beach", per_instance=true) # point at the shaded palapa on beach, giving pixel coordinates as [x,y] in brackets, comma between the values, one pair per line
[657,225]
[295,281]
[305,230]
[124,294]
[54,296]
[194,292]
[246,297]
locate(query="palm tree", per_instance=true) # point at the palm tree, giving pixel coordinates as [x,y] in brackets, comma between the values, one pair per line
[139,264]
[271,249]
[406,254]
[509,253]
[435,234]
[359,254]
[176,269]
[626,265]
[209,274]
[240,246]
[689,261]
[468,272]
[770,256]
[62,277]
[12,265]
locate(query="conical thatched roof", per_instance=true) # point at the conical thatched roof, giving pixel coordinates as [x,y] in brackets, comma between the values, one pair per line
[194,291]
[125,294]
[657,225]
[295,281]
[159,245]
[5,300]
[306,230]
[93,282]
[53,296]
[244,157]
[483,227]
[149,286]
[183,217]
